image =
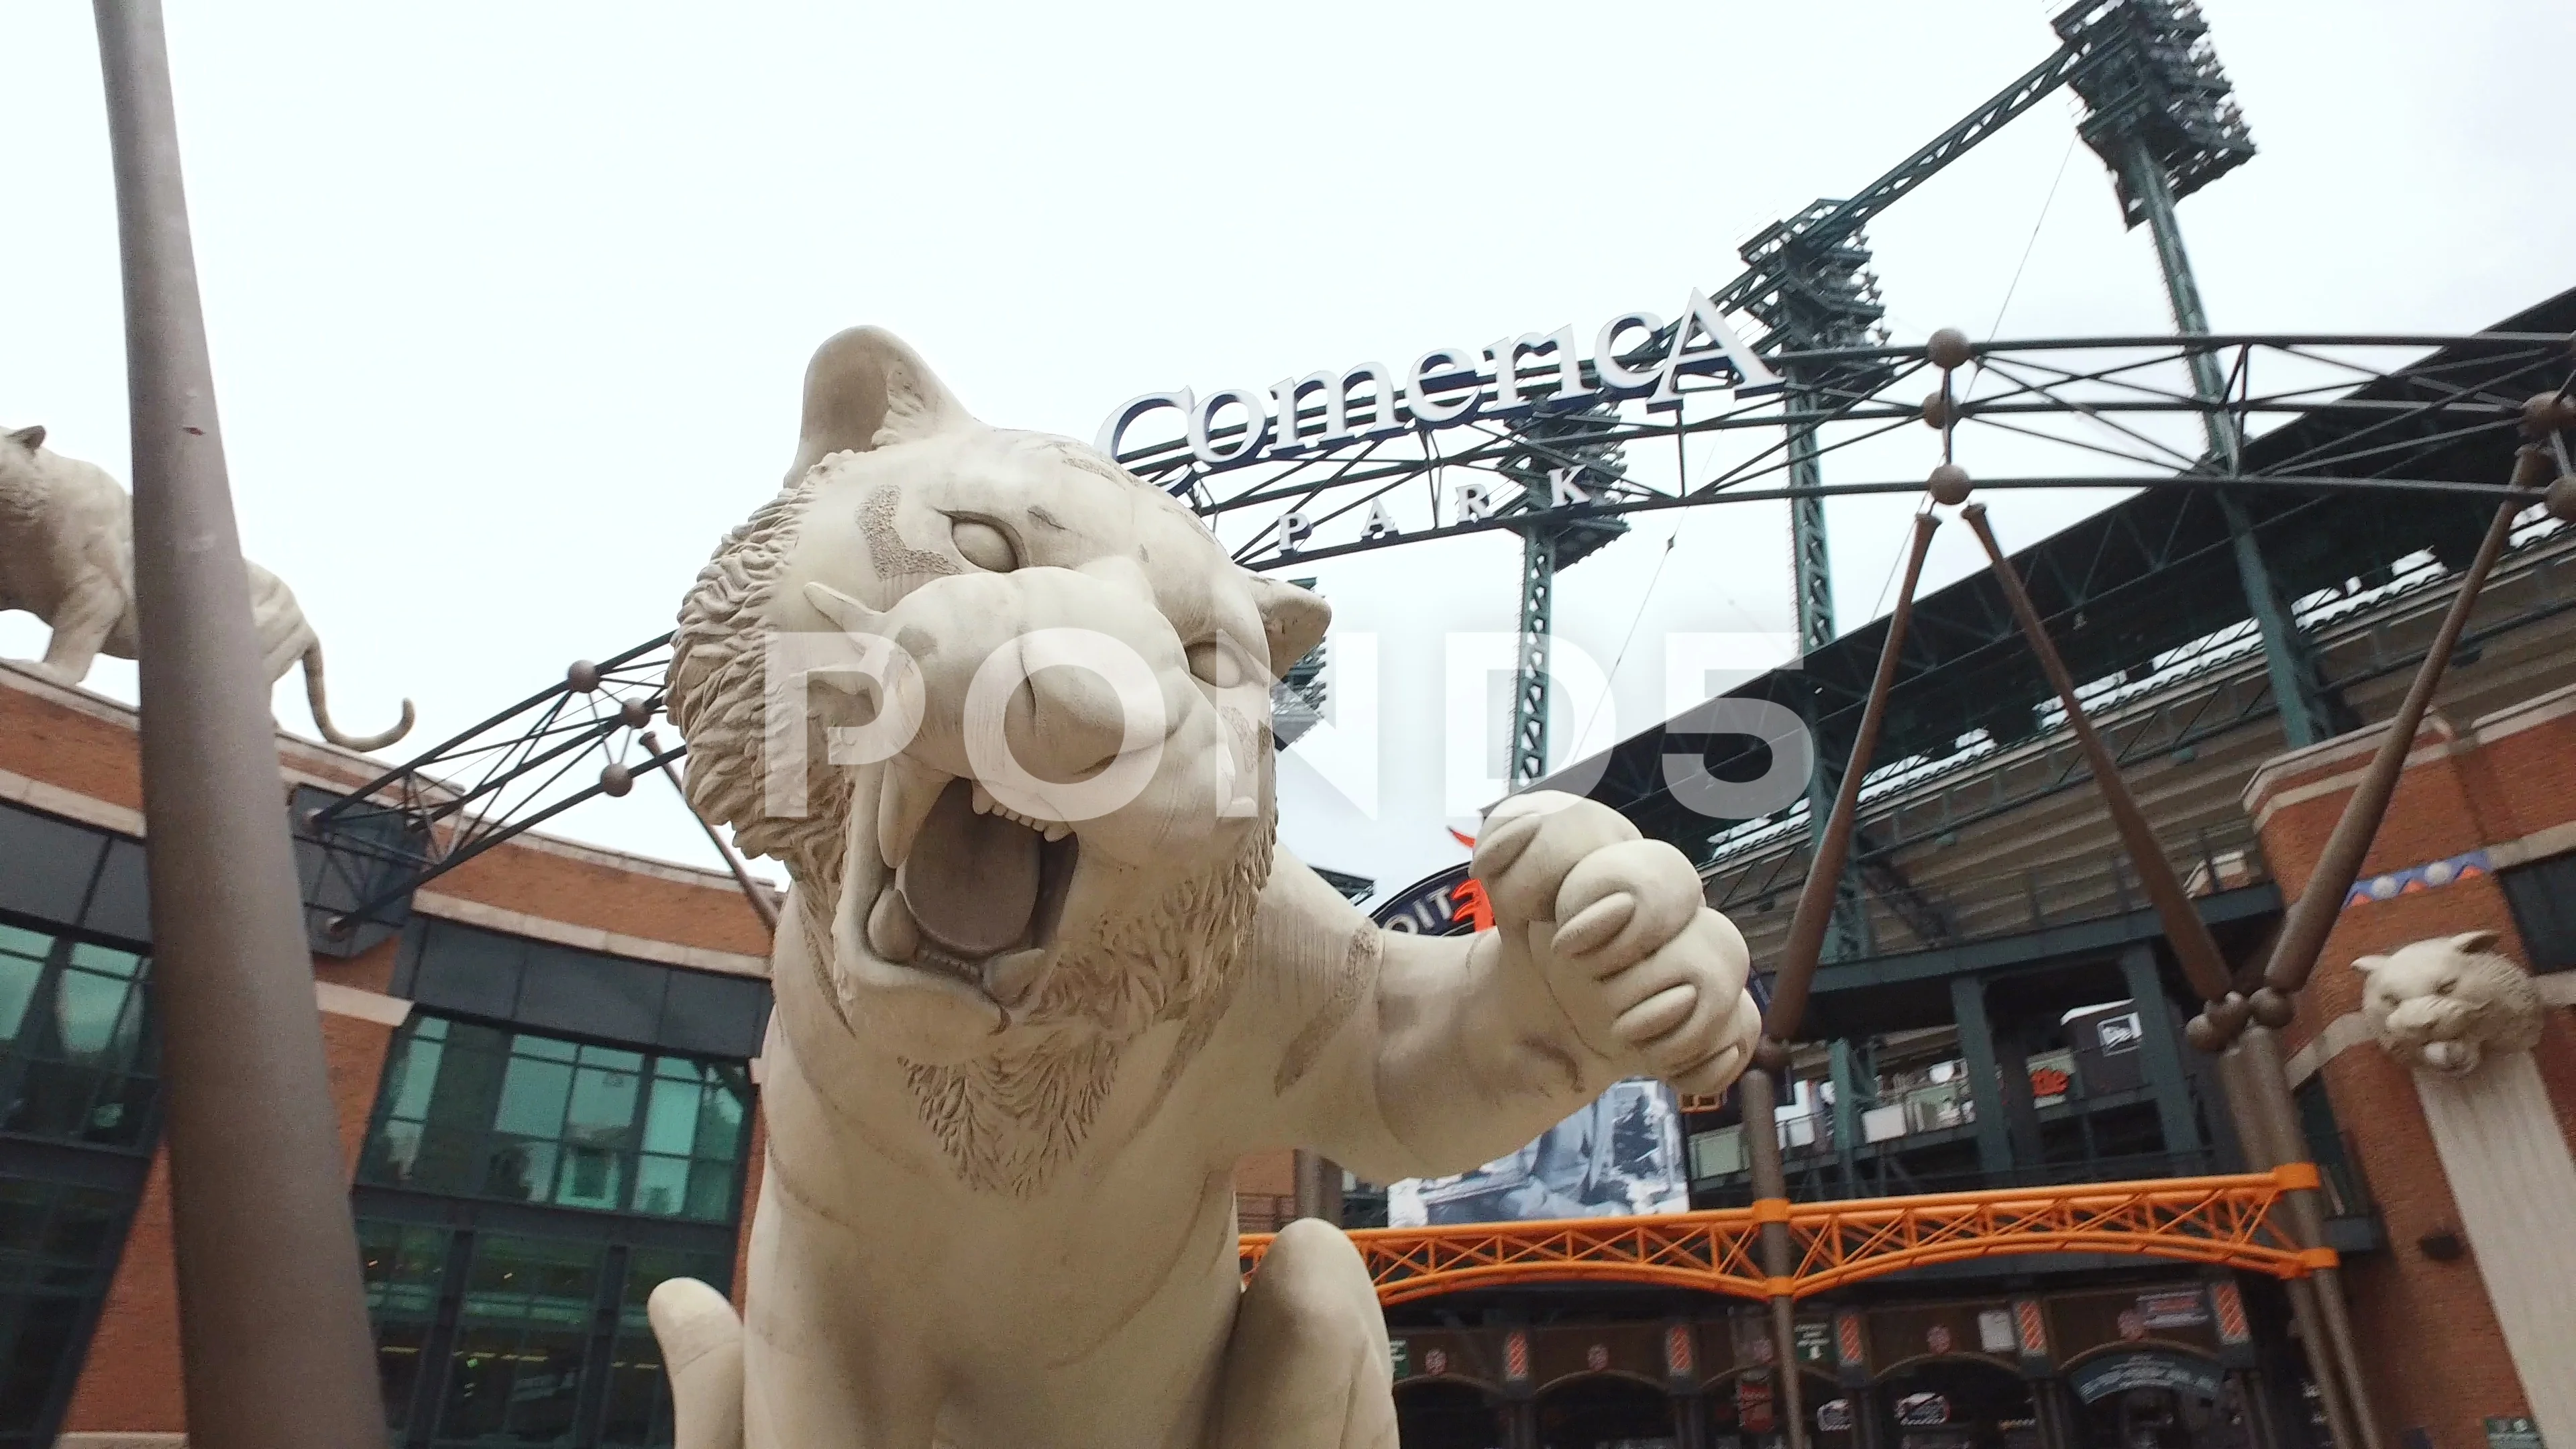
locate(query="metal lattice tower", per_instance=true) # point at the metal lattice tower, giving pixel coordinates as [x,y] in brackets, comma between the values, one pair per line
[2162,115]
[1530,674]
[1822,295]
[1558,460]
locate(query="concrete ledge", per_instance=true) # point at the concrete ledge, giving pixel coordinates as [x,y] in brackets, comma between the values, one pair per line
[122,1441]
[55,800]
[375,1006]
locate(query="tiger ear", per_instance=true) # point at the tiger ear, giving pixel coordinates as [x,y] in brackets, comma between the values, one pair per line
[29,438]
[1293,620]
[2475,943]
[866,390]
[2367,964]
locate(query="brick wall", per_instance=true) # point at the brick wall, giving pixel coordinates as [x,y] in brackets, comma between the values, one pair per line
[2436,1356]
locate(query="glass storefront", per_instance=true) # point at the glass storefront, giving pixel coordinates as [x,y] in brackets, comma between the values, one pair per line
[492,1338]
[519,1198]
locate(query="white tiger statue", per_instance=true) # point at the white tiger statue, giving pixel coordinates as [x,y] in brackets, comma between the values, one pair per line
[2443,1005]
[67,557]
[1021,1039]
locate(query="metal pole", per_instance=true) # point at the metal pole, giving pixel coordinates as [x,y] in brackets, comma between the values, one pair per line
[274,1343]
[1758,1092]
[2239,1073]
[2278,1117]
[2311,918]
[2202,964]
[752,891]
[1833,836]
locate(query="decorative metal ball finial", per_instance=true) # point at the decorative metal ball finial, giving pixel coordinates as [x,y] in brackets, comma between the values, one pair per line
[2548,412]
[1947,349]
[615,779]
[635,714]
[583,676]
[2560,500]
[1949,484]
[2272,1008]
[1938,410]
[1771,1056]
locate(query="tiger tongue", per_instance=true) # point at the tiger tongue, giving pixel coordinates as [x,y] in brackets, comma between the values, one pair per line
[970,880]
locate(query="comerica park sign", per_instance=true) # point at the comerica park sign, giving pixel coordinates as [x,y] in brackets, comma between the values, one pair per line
[1446,387]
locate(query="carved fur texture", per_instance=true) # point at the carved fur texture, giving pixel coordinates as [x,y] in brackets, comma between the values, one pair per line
[2447,1004]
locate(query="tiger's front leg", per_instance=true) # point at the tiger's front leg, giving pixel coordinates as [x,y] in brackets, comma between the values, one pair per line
[1307,1367]
[81,625]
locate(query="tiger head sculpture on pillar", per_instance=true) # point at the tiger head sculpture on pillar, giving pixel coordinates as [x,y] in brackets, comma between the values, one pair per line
[1045,976]
[2447,1004]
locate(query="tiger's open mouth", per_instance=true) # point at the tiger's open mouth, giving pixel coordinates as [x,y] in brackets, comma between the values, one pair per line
[971,890]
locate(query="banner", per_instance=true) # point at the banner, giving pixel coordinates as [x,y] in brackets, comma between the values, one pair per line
[1619,1157]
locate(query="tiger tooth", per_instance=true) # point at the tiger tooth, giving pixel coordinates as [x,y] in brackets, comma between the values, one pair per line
[903,802]
[1011,977]
[984,803]
[892,934]
[1058,831]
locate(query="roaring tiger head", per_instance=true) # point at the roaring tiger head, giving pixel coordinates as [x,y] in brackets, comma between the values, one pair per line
[1001,709]
[2445,1004]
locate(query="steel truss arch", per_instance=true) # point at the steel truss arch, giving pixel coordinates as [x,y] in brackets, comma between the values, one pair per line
[2092,403]
[2224,1221]
[2088,408]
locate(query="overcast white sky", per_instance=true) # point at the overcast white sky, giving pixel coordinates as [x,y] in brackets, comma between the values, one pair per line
[510,301]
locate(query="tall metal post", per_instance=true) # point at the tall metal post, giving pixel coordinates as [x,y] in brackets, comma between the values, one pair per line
[1530,680]
[1758,1093]
[2308,712]
[2241,1073]
[274,1343]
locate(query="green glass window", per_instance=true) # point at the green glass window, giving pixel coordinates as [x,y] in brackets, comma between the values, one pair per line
[77,1052]
[478,1111]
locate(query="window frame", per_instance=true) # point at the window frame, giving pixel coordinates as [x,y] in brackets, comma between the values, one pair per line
[629,1155]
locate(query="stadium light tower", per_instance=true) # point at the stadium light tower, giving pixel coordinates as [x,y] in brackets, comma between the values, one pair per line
[2161,114]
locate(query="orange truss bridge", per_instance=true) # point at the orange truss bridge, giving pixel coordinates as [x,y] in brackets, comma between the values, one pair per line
[2220,1220]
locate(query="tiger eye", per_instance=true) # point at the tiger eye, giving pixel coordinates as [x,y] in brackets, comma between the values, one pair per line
[983,545]
[1215,665]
